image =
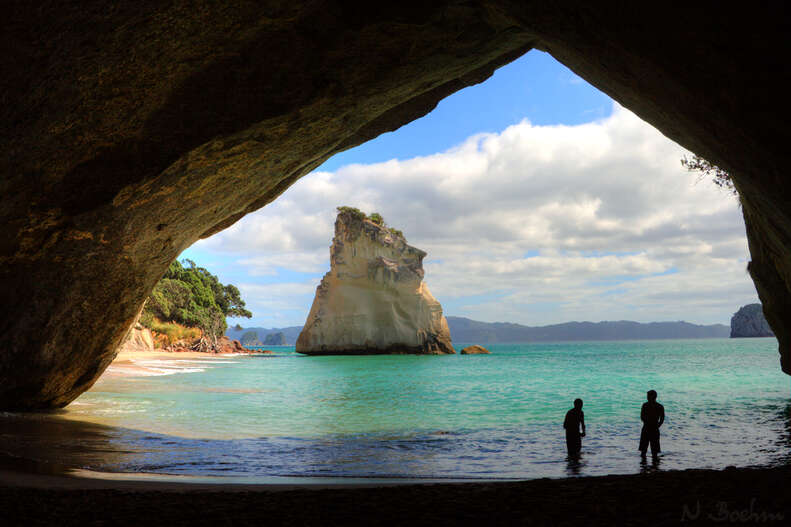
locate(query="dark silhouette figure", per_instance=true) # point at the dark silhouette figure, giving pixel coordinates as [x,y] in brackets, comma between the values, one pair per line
[652,415]
[575,418]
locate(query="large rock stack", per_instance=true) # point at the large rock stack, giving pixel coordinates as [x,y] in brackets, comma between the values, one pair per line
[373,300]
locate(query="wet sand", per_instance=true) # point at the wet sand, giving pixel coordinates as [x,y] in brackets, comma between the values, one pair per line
[699,497]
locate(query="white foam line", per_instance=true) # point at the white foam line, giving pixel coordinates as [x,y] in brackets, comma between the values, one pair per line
[209,361]
[171,362]
[148,371]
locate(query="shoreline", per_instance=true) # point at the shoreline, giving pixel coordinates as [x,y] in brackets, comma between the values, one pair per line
[127,363]
[700,497]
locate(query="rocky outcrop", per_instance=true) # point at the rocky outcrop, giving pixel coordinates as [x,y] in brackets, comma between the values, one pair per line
[128,131]
[223,345]
[475,349]
[138,339]
[250,338]
[373,300]
[749,321]
[275,339]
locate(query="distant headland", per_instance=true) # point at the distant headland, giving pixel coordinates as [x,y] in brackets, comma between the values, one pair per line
[467,330]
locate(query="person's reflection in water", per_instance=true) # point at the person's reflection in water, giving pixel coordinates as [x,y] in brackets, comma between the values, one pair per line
[574,466]
[653,415]
[645,468]
[575,418]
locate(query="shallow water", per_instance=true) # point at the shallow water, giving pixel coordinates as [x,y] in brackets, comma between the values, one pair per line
[484,416]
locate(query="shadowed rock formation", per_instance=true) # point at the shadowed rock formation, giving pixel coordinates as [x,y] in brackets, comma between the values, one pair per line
[749,321]
[128,130]
[373,300]
[275,339]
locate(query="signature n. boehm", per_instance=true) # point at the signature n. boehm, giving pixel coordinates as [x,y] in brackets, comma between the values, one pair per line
[722,512]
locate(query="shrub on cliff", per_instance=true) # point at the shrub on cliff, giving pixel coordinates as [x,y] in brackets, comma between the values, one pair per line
[192,296]
[375,217]
[355,212]
[167,333]
[720,177]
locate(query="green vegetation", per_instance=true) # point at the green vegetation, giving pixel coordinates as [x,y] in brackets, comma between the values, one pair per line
[167,333]
[355,212]
[375,217]
[720,177]
[191,296]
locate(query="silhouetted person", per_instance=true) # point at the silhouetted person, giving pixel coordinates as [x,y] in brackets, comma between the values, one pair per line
[653,415]
[575,418]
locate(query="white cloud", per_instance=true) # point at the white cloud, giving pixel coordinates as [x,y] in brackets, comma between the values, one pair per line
[596,221]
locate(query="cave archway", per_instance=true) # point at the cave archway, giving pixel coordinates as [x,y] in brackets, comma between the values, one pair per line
[129,132]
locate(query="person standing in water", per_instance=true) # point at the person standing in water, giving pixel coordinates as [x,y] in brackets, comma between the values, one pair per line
[653,415]
[575,418]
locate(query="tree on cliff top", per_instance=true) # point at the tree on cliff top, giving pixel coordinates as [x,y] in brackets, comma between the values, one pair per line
[375,218]
[192,296]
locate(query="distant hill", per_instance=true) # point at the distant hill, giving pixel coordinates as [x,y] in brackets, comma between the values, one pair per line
[466,330]
[749,321]
[290,334]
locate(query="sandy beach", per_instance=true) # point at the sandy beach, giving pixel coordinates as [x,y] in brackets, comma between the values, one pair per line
[143,363]
[697,497]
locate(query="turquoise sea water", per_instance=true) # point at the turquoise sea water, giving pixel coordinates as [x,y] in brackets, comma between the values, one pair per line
[482,416]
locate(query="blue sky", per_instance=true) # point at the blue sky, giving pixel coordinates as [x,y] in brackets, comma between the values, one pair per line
[535,86]
[538,200]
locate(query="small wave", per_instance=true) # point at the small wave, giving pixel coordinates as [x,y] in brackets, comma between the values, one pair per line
[160,362]
[171,371]
[151,371]
[209,361]
[169,362]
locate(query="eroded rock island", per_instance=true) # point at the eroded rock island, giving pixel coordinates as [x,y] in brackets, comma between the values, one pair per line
[749,321]
[373,300]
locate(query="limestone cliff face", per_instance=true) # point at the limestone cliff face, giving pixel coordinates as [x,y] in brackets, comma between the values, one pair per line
[373,300]
[749,321]
[139,338]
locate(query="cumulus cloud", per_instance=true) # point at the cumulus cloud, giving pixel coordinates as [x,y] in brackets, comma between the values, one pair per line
[535,224]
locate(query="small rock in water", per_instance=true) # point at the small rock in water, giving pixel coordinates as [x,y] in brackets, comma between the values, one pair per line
[475,350]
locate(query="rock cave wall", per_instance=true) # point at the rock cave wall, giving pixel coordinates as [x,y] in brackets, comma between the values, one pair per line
[129,130]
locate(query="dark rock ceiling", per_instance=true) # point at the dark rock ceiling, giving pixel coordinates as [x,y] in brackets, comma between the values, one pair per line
[128,130]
